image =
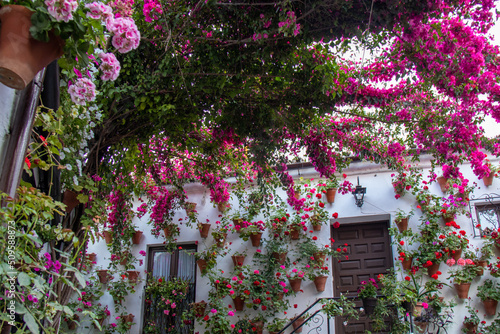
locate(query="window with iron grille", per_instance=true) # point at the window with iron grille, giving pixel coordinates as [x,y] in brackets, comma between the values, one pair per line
[488,218]
[162,264]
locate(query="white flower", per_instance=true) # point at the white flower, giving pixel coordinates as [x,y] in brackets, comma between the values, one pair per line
[61,10]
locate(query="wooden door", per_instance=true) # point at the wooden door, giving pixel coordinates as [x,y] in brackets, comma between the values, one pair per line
[370,254]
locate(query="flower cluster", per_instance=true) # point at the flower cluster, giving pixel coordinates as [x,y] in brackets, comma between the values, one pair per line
[82,91]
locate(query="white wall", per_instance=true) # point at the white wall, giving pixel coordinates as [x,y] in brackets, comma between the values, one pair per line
[379,200]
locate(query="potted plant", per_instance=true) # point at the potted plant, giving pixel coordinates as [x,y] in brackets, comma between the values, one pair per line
[119,289]
[454,243]
[495,238]
[401,219]
[238,258]
[330,187]
[278,248]
[298,321]
[253,231]
[471,321]
[463,276]
[207,259]
[276,325]
[204,229]
[295,277]
[68,30]
[318,274]
[342,306]
[367,292]
[220,235]
[489,293]
[100,313]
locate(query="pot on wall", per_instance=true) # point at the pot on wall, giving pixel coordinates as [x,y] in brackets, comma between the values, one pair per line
[22,56]
[280,257]
[238,260]
[402,224]
[488,180]
[320,283]
[136,237]
[462,290]
[369,304]
[255,239]
[204,229]
[297,323]
[295,284]
[199,308]
[330,195]
[108,237]
[490,306]
[239,303]
[103,276]
[133,276]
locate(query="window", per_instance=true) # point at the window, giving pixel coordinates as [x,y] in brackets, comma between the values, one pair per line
[488,218]
[178,264]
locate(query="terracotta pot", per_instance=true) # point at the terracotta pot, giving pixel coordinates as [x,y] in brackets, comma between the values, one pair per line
[222,206]
[221,240]
[72,323]
[497,246]
[167,231]
[190,207]
[320,283]
[490,306]
[92,257]
[136,237]
[417,310]
[320,258]
[406,264]
[295,284]
[420,326]
[462,290]
[296,194]
[330,195]
[294,234]
[471,328]
[239,303]
[259,326]
[280,296]
[488,180]
[238,260]
[128,318]
[69,196]
[280,257]
[448,218]
[297,323]
[6,328]
[316,227]
[202,264]
[108,236]
[456,254]
[443,183]
[255,238]
[204,229]
[402,224]
[237,224]
[431,270]
[369,304]
[21,56]
[199,308]
[133,276]
[124,258]
[103,276]
[482,263]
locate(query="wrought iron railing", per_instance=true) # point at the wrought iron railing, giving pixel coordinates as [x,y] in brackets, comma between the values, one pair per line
[316,322]
[169,323]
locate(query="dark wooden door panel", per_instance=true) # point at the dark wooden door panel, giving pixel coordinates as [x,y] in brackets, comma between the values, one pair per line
[370,254]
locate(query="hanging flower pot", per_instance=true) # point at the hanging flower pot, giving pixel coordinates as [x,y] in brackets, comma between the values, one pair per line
[92,257]
[5,328]
[456,254]
[330,195]
[280,257]
[190,207]
[255,238]
[319,257]
[108,236]
[124,258]
[296,194]
[480,265]
[204,229]
[417,310]
[136,237]
[297,323]
[128,318]
[488,180]
[167,231]
[433,269]
[448,218]
[402,224]
[222,206]
[221,240]
[295,284]
[103,276]
[202,264]
[239,303]
[490,306]
[69,198]
[470,327]
[294,234]
[462,290]
[421,326]
[443,183]
[237,224]
[316,227]
[369,304]
[320,283]
[199,308]
[406,263]
[238,260]
[21,56]
[133,276]
[258,325]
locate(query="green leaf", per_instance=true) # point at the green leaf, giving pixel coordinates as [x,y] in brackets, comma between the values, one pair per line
[80,279]
[24,279]
[31,323]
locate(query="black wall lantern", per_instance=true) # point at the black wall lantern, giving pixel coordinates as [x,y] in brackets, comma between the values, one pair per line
[359,194]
